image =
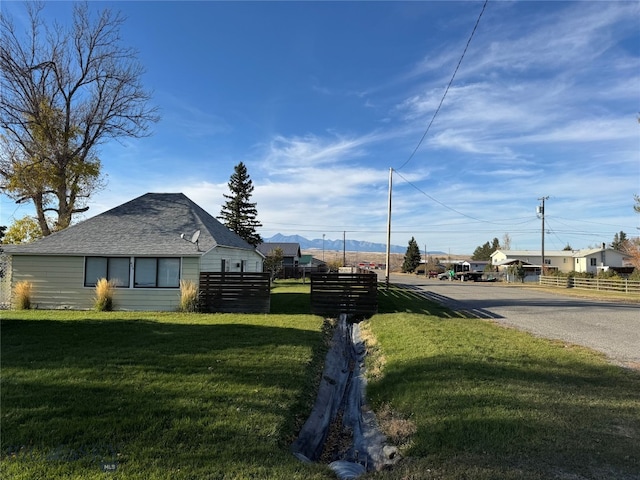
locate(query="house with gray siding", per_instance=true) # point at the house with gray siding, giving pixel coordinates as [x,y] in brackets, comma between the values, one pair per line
[145,246]
[290,252]
[290,257]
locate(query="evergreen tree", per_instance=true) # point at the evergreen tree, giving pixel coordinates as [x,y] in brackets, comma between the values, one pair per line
[412,257]
[484,252]
[238,213]
[619,241]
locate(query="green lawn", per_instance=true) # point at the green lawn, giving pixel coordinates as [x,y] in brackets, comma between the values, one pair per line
[489,402]
[157,396]
[188,396]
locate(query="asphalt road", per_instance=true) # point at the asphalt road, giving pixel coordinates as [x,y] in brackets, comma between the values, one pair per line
[609,327]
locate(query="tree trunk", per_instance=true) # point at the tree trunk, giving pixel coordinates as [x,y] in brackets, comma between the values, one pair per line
[42,219]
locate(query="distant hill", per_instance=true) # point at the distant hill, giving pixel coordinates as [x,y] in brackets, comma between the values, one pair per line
[351,245]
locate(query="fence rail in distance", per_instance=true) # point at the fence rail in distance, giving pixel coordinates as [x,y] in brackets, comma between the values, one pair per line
[624,285]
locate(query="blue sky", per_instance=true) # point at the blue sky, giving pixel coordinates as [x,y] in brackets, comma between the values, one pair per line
[321,99]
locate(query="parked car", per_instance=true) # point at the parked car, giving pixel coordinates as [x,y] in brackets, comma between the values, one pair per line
[445,276]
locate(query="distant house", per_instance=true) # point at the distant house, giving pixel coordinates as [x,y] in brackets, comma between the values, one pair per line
[472,265]
[290,256]
[590,260]
[309,264]
[146,246]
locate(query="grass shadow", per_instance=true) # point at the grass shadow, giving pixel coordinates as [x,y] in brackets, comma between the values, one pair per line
[290,303]
[159,394]
[401,299]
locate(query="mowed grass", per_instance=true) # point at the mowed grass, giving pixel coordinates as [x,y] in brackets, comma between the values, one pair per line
[489,402]
[156,396]
[189,396]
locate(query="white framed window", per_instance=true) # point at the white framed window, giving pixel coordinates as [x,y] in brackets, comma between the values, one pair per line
[115,269]
[152,272]
[593,262]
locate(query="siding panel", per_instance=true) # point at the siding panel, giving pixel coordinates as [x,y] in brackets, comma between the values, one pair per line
[58,283]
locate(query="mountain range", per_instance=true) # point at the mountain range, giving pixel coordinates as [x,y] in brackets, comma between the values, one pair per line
[339,245]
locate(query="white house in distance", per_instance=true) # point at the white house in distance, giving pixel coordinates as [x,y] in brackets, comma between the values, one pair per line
[591,260]
[146,246]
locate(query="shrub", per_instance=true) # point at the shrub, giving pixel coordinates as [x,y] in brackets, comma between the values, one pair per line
[635,275]
[188,296]
[103,301]
[609,274]
[22,293]
[574,274]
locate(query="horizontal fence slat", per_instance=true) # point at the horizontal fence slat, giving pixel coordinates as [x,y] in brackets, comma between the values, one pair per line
[350,293]
[235,292]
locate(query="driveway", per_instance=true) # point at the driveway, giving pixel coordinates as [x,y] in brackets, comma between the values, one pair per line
[609,327]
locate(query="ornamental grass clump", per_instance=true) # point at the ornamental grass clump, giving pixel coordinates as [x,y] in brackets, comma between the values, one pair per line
[103,301]
[22,293]
[188,296]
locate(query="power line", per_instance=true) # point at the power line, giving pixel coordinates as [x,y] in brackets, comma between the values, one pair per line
[439,202]
[525,219]
[435,114]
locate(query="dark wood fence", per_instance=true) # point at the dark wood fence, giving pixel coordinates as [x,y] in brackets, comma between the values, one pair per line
[350,293]
[235,292]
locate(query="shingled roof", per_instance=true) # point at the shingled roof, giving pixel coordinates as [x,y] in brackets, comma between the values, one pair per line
[288,249]
[151,224]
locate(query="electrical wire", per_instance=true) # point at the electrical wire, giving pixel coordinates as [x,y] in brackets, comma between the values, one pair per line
[435,114]
[503,223]
[439,202]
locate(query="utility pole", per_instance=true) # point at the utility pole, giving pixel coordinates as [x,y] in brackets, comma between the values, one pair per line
[388,257]
[426,256]
[344,248]
[541,215]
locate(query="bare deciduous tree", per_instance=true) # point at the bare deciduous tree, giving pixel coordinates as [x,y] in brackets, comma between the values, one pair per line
[65,91]
[506,242]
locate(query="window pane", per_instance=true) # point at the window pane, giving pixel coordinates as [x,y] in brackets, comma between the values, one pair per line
[95,268]
[119,271]
[168,272]
[145,272]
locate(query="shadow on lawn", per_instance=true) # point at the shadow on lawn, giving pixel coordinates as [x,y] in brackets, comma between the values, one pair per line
[154,345]
[540,418]
[291,303]
[404,298]
[410,299]
[73,384]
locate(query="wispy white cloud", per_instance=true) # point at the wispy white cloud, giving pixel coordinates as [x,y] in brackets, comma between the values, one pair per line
[545,103]
[188,120]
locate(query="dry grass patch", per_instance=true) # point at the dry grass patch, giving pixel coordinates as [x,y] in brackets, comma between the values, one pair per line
[395,426]
[375,358]
[103,301]
[22,295]
[188,296]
